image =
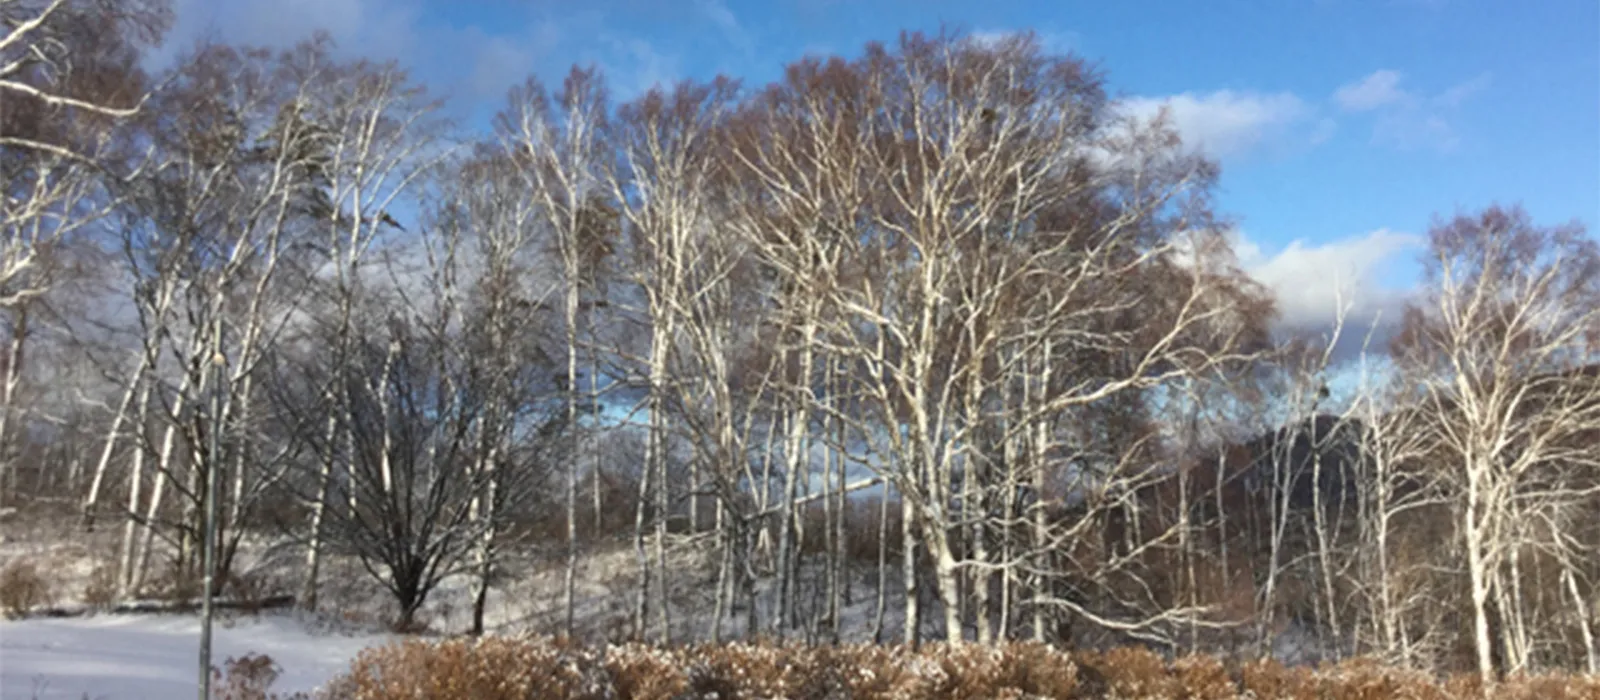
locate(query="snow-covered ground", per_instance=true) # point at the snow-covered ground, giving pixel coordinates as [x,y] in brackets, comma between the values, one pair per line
[140,657]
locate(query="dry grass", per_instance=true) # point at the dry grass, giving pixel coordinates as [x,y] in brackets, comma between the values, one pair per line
[24,585]
[100,590]
[511,669]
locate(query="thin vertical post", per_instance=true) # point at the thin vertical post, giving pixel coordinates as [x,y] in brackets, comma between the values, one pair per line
[214,459]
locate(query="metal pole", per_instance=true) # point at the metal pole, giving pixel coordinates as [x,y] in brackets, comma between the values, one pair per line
[214,461]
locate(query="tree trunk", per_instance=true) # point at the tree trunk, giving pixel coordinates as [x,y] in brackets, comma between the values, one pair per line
[8,396]
[1584,620]
[913,598]
[1478,575]
[724,580]
[594,419]
[164,474]
[796,457]
[136,387]
[130,528]
[883,566]
[641,609]
[1008,509]
[833,516]
[946,574]
[569,585]
[141,563]
[319,508]
[486,552]
[1041,522]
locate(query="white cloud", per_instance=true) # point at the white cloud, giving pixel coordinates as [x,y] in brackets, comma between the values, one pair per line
[500,64]
[1226,123]
[1326,127]
[1051,42]
[1374,91]
[1406,119]
[717,11]
[636,66]
[378,29]
[1409,131]
[1311,283]
[1459,93]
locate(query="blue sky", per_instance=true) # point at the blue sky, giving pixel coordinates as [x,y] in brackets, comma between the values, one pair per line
[1343,126]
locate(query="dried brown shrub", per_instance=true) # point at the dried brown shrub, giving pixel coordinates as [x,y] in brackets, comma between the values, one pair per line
[1566,687]
[1126,672]
[1036,669]
[640,672]
[503,669]
[101,589]
[1204,678]
[247,678]
[1367,679]
[1269,679]
[23,586]
[486,669]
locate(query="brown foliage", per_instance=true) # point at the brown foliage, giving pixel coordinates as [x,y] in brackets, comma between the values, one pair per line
[22,587]
[247,678]
[499,668]
[101,590]
[487,669]
[173,583]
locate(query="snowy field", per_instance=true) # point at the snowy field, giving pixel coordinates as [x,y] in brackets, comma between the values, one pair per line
[127,657]
[149,657]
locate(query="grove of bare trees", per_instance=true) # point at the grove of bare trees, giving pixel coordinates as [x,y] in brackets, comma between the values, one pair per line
[937,334]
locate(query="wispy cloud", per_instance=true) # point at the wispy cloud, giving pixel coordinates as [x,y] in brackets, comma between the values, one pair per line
[1228,123]
[1414,130]
[717,11]
[1459,93]
[635,65]
[1050,41]
[474,63]
[379,29]
[1374,91]
[499,64]
[1408,119]
[1325,129]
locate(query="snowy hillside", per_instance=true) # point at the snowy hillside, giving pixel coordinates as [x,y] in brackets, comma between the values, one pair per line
[144,657]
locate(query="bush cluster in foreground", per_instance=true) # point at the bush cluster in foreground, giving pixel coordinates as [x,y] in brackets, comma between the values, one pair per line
[524,669]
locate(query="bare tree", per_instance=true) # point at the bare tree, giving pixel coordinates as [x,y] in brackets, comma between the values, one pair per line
[203,243]
[665,151]
[984,187]
[374,134]
[558,151]
[1396,593]
[67,57]
[1501,350]
[508,292]
[799,159]
[68,76]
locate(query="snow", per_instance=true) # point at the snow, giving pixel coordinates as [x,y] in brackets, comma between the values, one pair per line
[133,657]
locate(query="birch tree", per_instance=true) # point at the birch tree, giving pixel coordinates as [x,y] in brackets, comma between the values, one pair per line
[377,135]
[799,155]
[987,188]
[664,153]
[1501,348]
[559,148]
[204,250]
[57,55]
[510,283]
[68,80]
